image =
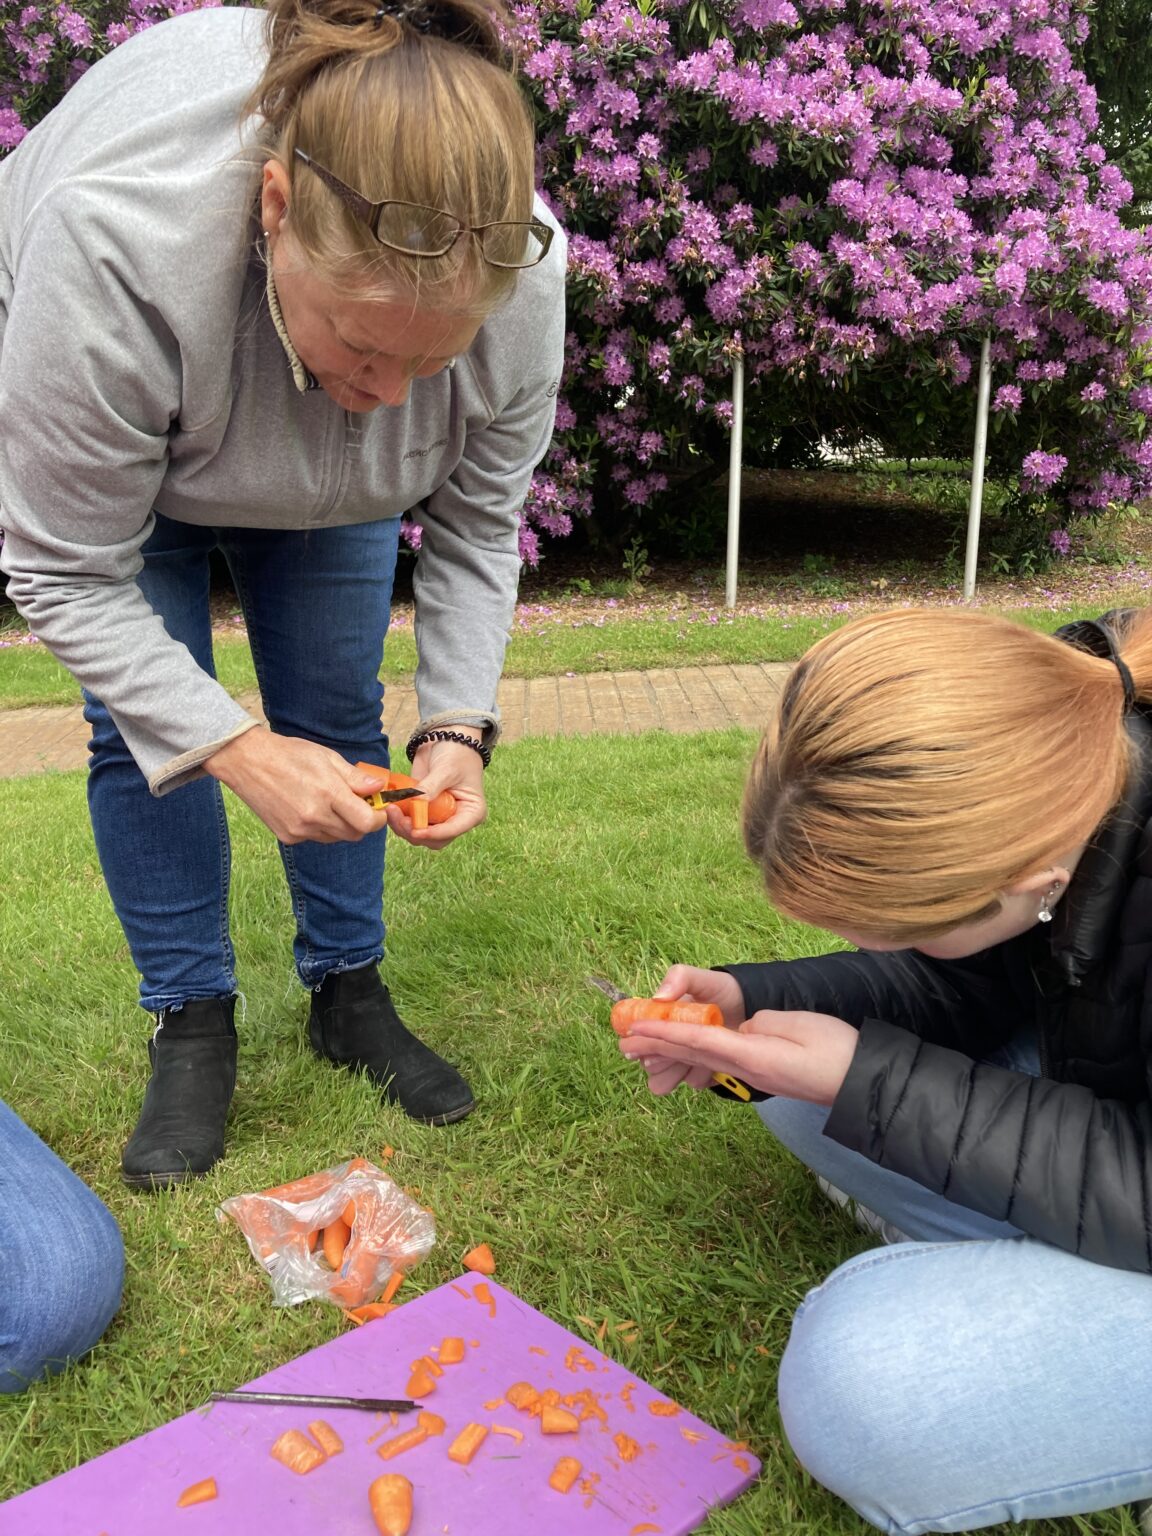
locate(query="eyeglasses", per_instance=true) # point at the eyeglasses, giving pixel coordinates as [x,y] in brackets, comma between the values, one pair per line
[414,230]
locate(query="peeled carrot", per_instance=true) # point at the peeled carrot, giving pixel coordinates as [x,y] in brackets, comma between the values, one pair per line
[348,1214]
[368,1314]
[441,807]
[299,1454]
[558,1421]
[564,1474]
[480,1259]
[467,1443]
[625,1014]
[326,1437]
[336,1236]
[451,1351]
[421,1382]
[197,1493]
[390,1500]
[314,1240]
[398,1443]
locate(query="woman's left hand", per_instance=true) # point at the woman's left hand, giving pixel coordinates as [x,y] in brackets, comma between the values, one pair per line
[796,1055]
[444,765]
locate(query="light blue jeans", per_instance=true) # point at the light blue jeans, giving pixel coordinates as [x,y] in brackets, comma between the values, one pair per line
[970,1375]
[63,1260]
[317,605]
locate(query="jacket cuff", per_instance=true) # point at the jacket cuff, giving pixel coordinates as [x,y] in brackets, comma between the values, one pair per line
[190,765]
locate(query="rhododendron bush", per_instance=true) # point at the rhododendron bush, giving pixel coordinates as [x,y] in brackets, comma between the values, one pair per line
[852,193]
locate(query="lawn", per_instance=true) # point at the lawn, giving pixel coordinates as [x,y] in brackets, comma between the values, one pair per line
[605,1207]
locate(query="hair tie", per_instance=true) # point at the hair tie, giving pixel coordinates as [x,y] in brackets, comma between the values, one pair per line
[414,12]
[1094,636]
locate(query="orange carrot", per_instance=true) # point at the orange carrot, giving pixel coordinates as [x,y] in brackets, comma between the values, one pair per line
[197,1493]
[480,1259]
[485,1297]
[558,1421]
[368,1314]
[314,1240]
[640,1530]
[467,1443]
[426,1362]
[430,1423]
[625,1014]
[523,1395]
[390,1500]
[628,1448]
[336,1236]
[441,807]
[502,1429]
[297,1452]
[662,1410]
[348,1214]
[405,1442]
[326,1437]
[564,1474]
[395,1281]
[420,1383]
[451,1351]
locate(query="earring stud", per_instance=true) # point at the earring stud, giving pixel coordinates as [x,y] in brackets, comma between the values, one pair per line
[1045,913]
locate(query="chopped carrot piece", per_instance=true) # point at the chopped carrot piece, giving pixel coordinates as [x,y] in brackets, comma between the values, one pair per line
[693,1436]
[326,1437]
[480,1259]
[662,1410]
[374,1309]
[467,1443]
[390,1500]
[741,1463]
[451,1351]
[549,1398]
[485,1297]
[336,1236]
[628,1448]
[564,1474]
[426,1363]
[297,1452]
[523,1395]
[495,1402]
[646,1526]
[534,1349]
[558,1421]
[430,1423]
[399,1443]
[420,1383]
[386,1153]
[197,1493]
[462,1291]
[395,1281]
[501,1429]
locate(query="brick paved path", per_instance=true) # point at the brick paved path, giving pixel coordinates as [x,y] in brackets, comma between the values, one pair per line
[680,699]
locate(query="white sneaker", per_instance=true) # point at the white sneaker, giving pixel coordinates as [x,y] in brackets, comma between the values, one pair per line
[868,1221]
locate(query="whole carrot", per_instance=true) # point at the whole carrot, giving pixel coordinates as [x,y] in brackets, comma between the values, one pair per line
[627,1013]
[390,1500]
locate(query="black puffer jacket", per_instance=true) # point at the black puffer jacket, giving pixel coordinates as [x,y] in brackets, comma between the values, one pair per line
[1066,1157]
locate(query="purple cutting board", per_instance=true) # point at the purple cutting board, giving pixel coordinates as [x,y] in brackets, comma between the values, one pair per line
[670,1485]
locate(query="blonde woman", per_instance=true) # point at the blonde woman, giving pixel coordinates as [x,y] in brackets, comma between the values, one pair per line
[968,803]
[267,282]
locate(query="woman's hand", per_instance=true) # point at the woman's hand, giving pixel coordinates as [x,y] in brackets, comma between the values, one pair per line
[796,1055]
[688,983]
[445,765]
[303,792]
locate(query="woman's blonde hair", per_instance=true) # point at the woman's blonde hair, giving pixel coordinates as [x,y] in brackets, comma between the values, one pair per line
[921,761]
[433,116]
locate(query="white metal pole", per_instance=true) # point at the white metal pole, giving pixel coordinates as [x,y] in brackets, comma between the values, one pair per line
[735,456]
[979,452]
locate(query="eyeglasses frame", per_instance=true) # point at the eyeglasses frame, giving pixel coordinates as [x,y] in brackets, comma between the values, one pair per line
[369,213]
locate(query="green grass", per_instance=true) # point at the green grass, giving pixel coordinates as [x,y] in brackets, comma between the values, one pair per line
[31,676]
[599,1201]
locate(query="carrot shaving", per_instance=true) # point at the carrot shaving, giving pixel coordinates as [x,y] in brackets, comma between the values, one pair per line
[503,1429]
[644,1527]
[197,1493]
[741,1463]
[485,1297]
[399,1443]
[534,1349]
[628,1448]
[661,1410]
[463,1291]
[693,1436]
[495,1402]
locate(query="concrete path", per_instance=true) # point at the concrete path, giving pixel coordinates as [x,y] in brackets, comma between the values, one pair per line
[679,699]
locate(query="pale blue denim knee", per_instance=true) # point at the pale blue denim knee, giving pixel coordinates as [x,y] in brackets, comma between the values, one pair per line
[969,1376]
[63,1260]
[317,605]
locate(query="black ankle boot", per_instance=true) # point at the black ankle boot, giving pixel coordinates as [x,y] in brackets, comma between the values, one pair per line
[352,1021]
[180,1132]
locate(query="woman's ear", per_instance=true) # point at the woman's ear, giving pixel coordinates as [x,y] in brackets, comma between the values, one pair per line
[275,194]
[1053,881]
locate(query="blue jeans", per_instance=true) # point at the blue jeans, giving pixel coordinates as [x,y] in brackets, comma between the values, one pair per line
[316,604]
[970,1375]
[63,1260]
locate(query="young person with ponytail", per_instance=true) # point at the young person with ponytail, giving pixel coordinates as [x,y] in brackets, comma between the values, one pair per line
[268,281]
[968,803]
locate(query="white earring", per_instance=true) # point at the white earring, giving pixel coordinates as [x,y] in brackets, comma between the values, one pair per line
[1045,913]
[267,234]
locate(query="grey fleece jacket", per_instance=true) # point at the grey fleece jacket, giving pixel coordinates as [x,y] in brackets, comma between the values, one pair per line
[140,369]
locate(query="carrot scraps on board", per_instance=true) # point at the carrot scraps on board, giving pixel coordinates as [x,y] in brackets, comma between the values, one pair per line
[523,1395]
[197,1493]
[426,1363]
[368,1314]
[693,1436]
[741,1463]
[588,1403]
[503,1429]
[335,1240]
[558,1421]
[480,1259]
[299,1454]
[645,1527]
[390,1500]
[326,1437]
[549,1398]
[430,1423]
[485,1297]
[627,1448]
[564,1474]
[588,1486]
[421,1382]
[451,1351]
[577,1360]
[400,1443]
[467,1443]
[662,1410]
[495,1402]
[626,1392]
[534,1349]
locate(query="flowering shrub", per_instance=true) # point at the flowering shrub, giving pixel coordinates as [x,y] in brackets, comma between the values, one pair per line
[850,192]
[853,192]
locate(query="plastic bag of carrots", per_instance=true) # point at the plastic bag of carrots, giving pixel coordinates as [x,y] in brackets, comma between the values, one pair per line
[335,1236]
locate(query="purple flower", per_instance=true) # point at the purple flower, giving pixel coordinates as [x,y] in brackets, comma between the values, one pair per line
[1043,469]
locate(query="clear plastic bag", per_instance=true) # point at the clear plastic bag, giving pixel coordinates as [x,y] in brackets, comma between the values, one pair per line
[284,1228]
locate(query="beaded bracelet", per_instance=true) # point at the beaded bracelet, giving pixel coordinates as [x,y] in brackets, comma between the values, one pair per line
[417,741]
